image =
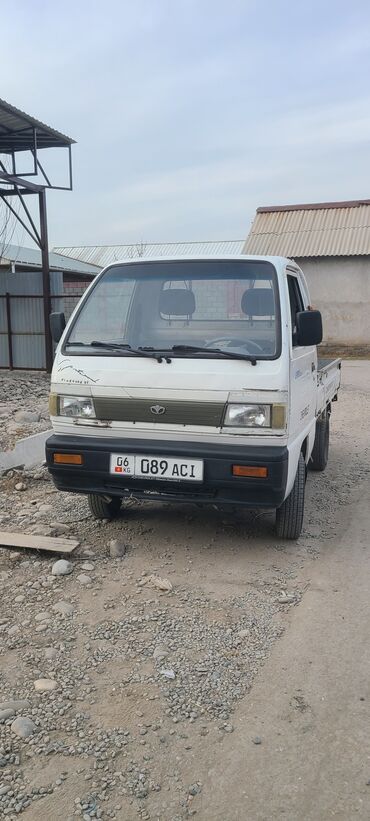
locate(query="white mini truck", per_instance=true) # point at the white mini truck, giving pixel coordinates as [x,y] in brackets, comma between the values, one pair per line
[192,380]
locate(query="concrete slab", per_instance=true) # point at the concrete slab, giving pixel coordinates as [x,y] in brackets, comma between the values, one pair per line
[27,453]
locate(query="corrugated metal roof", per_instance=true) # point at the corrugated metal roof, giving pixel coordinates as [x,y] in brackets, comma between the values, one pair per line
[103,255]
[16,131]
[32,257]
[332,229]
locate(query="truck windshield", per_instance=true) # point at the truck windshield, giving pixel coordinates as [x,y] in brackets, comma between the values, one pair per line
[181,307]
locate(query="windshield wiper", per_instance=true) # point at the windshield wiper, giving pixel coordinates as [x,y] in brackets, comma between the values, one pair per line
[119,346]
[229,354]
[151,353]
[77,345]
[124,346]
[162,353]
[111,346]
[97,344]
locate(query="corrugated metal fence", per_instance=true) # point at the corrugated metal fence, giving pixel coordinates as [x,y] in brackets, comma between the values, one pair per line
[22,328]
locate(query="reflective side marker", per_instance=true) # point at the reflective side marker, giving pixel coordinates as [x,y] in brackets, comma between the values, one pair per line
[68,459]
[244,470]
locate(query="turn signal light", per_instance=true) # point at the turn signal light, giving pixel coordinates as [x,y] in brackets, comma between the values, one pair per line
[244,470]
[68,459]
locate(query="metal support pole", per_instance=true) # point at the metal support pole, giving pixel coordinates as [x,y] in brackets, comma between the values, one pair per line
[45,280]
[9,330]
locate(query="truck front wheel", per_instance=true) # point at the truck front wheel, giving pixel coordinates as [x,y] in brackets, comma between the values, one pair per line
[320,450]
[289,517]
[102,509]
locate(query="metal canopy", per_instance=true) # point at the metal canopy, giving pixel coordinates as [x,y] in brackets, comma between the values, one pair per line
[19,132]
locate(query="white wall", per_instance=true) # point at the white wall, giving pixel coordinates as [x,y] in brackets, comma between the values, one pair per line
[340,289]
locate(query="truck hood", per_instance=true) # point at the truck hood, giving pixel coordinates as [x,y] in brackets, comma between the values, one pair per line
[135,377]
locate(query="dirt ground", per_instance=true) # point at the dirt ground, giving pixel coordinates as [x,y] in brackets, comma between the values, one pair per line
[216,698]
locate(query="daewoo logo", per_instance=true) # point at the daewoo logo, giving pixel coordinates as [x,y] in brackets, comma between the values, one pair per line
[158,410]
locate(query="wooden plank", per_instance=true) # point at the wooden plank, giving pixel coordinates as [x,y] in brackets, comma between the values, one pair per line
[52,544]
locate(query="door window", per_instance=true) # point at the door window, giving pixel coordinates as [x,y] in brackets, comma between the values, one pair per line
[296,304]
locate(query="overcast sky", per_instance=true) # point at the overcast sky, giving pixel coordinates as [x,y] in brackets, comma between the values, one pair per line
[188,114]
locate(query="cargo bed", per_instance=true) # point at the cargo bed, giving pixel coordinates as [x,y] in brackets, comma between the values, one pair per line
[328,382]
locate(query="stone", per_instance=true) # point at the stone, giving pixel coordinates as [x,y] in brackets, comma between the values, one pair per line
[44,616]
[23,727]
[4,714]
[59,528]
[286,599]
[4,790]
[41,530]
[160,653]
[64,608]
[83,579]
[62,568]
[168,674]
[26,416]
[14,556]
[45,685]
[13,630]
[117,549]
[20,486]
[87,566]
[20,704]
[195,789]
[51,653]
[161,584]
[257,740]
[19,599]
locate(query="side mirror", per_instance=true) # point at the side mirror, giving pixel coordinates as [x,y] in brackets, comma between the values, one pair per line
[57,325]
[309,328]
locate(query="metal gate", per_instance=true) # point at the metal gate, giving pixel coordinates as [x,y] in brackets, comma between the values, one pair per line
[22,325]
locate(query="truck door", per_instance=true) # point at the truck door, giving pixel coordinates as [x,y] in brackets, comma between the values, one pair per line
[303,368]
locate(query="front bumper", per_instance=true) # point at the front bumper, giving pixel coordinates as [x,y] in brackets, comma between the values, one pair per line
[218,486]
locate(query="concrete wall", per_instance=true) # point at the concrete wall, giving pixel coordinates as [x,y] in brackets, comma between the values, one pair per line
[340,289]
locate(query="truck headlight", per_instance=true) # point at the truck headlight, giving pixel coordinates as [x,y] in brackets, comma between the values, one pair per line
[76,406]
[248,416]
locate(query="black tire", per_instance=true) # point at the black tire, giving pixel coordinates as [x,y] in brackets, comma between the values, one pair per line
[101,509]
[320,450]
[289,517]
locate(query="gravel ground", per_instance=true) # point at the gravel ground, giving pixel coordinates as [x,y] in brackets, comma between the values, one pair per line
[147,656]
[23,405]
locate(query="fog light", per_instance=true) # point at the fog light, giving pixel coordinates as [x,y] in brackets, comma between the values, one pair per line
[68,459]
[254,472]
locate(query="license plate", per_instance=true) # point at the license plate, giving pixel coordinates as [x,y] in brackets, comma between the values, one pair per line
[156,467]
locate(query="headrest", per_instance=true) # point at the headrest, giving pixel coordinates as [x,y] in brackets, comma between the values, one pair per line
[258,302]
[177,302]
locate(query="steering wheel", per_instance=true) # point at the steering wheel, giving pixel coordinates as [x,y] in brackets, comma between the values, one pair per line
[239,343]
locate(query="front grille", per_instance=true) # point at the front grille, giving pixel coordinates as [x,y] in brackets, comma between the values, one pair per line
[176,413]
